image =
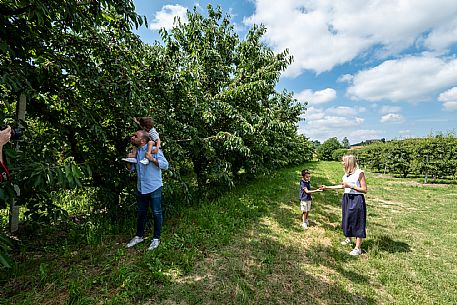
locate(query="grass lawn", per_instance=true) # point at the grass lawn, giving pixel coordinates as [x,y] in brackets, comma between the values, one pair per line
[249,248]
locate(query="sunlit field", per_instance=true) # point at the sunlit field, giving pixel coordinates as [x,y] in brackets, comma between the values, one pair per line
[248,247]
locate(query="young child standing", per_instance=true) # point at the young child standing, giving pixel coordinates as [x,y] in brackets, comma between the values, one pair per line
[147,124]
[305,196]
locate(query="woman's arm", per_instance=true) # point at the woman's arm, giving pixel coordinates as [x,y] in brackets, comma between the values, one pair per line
[332,187]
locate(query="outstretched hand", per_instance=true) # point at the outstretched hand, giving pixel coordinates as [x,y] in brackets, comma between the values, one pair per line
[347,185]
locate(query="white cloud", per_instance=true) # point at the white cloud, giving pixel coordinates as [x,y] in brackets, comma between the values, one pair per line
[364,134]
[346,111]
[165,17]
[321,124]
[323,34]
[390,109]
[316,97]
[345,78]
[449,99]
[392,118]
[442,37]
[414,79]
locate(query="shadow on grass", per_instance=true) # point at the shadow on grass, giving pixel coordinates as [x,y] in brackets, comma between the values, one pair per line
[206,257]
[257,268]
[384,243]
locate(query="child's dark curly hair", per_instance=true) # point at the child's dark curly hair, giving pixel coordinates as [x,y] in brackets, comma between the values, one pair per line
[145,122]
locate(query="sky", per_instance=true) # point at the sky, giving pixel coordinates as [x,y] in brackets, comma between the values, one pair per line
[368,69]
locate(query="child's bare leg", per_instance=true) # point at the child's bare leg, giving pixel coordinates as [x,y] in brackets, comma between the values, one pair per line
[156,148]
[149,151]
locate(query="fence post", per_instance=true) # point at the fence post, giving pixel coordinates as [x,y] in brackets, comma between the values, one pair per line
[426,169]
[14,209]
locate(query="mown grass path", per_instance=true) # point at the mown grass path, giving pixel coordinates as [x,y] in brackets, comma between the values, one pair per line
[249,248]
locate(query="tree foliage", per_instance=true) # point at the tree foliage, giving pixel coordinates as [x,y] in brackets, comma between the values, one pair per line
[432,156]
[85,74]
[325,150]
[345,143]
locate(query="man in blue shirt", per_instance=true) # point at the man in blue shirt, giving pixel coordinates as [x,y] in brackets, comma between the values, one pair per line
[149,188]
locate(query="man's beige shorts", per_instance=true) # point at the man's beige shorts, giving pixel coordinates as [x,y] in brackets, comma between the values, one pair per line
[305,205]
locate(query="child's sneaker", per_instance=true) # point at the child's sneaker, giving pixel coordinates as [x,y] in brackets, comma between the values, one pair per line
[305,225]
[355,252]
[347,241]
[129,160]
[144,161]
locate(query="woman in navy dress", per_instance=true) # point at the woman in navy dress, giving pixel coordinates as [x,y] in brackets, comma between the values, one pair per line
[353,205]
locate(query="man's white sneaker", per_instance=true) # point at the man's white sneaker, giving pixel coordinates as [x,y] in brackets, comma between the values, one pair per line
[136,240]
[355,252]
[347,241]
[305,225]
[129,160]
[144,161]
[154,244]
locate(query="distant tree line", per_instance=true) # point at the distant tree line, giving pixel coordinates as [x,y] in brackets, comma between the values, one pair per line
[435,157]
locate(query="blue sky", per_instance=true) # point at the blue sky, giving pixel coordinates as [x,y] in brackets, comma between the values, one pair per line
[368,69]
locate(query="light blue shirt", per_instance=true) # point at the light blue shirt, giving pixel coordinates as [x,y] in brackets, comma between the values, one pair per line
[149,176]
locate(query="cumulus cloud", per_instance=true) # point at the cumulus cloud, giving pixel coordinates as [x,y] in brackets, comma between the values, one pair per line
[390,109]
[392,118]
[442,37]
[413,79]
[316,97]
[364,134]
[323,34]
[165,17]
[345,78]
[321,124]
[449,99]
[346,111]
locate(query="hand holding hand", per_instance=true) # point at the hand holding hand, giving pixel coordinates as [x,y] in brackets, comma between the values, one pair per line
[322,187]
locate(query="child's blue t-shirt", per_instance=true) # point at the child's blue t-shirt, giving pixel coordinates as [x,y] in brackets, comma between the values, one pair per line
[303,195]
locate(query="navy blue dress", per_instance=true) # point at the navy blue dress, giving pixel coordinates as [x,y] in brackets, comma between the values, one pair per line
[354,208]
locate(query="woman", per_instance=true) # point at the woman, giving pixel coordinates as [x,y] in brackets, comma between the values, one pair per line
[353,204]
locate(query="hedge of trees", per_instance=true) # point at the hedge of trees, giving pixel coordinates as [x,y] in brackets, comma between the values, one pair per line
[85,75]
[435,157]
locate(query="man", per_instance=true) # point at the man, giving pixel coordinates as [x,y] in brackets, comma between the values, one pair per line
[149,188]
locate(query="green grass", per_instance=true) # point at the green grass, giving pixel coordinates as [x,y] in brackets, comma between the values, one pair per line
[248,248]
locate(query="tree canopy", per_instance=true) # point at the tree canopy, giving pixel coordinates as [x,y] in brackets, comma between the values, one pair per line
[325,150]
[85,74]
